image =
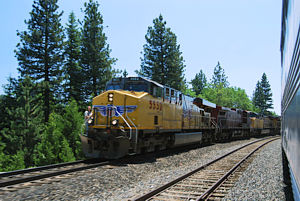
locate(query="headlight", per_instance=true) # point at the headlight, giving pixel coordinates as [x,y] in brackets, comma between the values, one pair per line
[110,97]
[114,122]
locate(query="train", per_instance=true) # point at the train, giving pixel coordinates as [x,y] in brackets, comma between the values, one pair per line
[136,115]
[290,96]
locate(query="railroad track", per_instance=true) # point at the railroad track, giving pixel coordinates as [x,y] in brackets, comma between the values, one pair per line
[8,179]
[210,181]
[14,180]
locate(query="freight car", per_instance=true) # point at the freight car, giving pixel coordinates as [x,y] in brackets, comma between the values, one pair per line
[290,94]
[136,115]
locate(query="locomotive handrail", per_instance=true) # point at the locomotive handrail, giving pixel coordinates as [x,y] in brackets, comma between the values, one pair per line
[130,129]
[214,123]
[136,131]
[96,117]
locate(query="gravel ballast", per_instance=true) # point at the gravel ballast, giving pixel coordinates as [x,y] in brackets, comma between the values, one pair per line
[129,180]
[262,180]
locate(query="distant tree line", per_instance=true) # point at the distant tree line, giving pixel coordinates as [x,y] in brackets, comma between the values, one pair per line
[219,92]
[62,68]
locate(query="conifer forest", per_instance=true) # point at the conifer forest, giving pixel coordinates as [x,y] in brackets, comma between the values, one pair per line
[61,68]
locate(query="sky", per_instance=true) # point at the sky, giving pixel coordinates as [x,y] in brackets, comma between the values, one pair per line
[243,35]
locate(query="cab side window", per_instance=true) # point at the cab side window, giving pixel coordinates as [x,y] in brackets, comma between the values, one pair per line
[173,97]
[159,92]
[156,91]
[167,95]
[180,99]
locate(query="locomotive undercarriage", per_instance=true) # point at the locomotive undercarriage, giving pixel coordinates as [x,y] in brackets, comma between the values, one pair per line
[229,134]
[106,143]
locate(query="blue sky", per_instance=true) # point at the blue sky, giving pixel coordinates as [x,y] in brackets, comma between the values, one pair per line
[243,35]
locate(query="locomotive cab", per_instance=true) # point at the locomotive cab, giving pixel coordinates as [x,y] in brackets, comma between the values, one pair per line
[116,126]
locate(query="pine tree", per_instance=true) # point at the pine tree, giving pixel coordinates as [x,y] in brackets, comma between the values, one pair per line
[72,69]
[40,50]
[162,60]
[125,73]
[72,128]
[257,96]
[95,59]
[262,96]
[26,125]
[266,88]
[219,84]
[8,102]
[219,79]
[199,82]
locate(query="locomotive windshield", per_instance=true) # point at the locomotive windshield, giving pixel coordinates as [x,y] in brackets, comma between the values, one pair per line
[138,86]
[128,84]
[114,87]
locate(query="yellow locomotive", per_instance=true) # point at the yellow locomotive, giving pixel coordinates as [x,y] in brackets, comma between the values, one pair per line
[136,115]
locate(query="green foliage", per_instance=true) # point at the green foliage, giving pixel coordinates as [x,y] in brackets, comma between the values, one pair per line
[95,59]
[215,95]
[10,158]
[239,99]
[258,96]
[8,102]
[25,126]
[189,92]
[28,142]
[217,91]
[266,88]
[54,147]
[199,82]
[231,97]
[162,60]
[72,128]
[40,50]
[262,96]
[10,162]
[72,70]
[273,113]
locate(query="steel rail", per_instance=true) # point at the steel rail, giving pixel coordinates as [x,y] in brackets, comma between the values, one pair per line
[16,172]
[208,192]
[50,174]
[160,189]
